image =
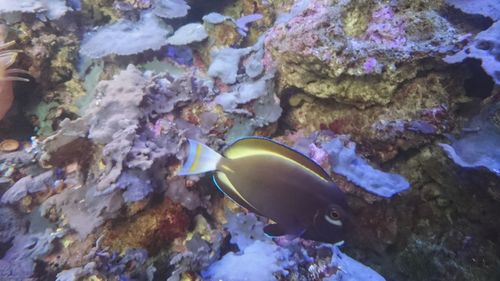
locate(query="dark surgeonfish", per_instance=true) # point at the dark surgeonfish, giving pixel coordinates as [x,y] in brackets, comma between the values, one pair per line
[276,182]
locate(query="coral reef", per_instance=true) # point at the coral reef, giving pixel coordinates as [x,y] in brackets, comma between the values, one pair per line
[485,47]
[265,257]
[170,8]
[51,9]
[345,162]
[189,33]
[398,101]
[19,261]
[326,58]
[152,230]
[478,148]
[482,7]
[416,115]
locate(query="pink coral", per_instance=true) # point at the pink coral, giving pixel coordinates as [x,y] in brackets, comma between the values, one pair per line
[386,27]
[317,154]
[309,25]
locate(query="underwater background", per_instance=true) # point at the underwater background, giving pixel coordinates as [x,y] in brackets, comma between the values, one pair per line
[397,100]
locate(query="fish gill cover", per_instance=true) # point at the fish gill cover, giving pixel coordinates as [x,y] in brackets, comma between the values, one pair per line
[398,101]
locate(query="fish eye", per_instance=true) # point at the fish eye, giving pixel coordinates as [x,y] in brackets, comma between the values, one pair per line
[334,214]
[333,217]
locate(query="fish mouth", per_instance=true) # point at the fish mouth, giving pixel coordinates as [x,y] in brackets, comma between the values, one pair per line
[330,235]
[335,238]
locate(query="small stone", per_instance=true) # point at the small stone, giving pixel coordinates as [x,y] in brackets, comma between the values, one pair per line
[94,278]
[71,168]
[26,202]
[9,145]
[59,185]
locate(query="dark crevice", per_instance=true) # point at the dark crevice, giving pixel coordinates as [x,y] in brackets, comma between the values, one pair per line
[478,83]
[16,124]
[466,22]
[285,96]
[201,8]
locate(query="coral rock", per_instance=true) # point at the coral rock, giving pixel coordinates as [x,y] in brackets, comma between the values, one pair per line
[315,53]
[152,229]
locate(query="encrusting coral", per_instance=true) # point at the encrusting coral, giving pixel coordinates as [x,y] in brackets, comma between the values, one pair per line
[318,53]
[152,229]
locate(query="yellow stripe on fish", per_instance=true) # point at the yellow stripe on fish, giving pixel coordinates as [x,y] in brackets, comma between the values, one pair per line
[258,146]
[196,158]
[232,192]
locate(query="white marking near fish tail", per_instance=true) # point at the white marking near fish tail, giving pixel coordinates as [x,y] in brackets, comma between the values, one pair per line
[201,159]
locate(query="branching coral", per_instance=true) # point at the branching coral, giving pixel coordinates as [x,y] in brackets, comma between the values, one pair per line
[7,58]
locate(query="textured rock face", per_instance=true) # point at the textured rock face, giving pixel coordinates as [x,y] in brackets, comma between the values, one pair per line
[354,52]
[484,47]
[153,229]
[359,68]
[374,72]
[415,115]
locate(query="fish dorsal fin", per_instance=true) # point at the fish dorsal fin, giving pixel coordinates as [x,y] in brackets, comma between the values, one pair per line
[251,146]
[225,186]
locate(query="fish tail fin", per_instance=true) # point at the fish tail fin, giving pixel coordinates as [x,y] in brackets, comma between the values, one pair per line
[201,159]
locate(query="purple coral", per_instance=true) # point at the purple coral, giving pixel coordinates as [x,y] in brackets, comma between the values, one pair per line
[182,54]
[370,65]
[317,154]
[242,22]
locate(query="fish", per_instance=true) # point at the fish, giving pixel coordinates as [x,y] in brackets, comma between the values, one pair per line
[277,182]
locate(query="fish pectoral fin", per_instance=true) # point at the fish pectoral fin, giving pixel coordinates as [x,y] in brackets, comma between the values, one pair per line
[274,230]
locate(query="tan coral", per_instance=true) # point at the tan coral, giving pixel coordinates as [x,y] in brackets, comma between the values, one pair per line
[7,58]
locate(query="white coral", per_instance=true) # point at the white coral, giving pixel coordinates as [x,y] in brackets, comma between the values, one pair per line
[126,37]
